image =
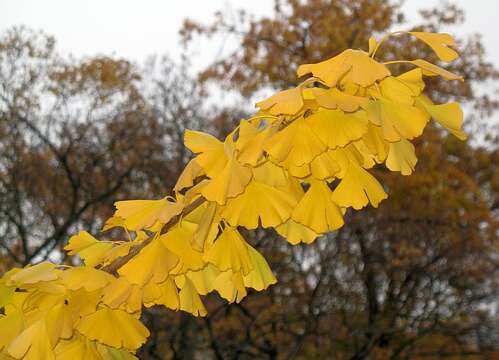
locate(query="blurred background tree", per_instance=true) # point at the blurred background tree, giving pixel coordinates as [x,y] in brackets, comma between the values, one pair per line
[415,279]
[76,135]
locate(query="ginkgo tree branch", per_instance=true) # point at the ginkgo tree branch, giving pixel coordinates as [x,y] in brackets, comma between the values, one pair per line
[297,166]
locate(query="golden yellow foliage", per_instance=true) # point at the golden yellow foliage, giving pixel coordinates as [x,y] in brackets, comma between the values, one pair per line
[296,166]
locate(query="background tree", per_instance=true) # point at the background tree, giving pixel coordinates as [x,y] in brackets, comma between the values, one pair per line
[77,135]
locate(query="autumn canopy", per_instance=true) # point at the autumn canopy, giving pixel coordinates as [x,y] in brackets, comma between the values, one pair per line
[296,166]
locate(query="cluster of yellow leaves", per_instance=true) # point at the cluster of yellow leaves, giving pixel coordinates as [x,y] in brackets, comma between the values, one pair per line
[296,166]
[55,312]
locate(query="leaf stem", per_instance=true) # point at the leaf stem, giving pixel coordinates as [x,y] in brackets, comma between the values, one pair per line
[383,39]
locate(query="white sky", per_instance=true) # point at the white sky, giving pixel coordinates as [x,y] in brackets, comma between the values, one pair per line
[134,29]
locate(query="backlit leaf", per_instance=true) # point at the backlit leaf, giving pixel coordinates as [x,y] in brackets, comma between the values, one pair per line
[261,277]
[153,263]
[364,70]
[317,210]
[286,102]
[143,214]
[229,252]
[336,99]
[358,188]
[114,327]
[401,157]
[90,250]
[336,128]
[190,300]
[397,120]
[262,202]
[297,143]
[441,43]
[230,182]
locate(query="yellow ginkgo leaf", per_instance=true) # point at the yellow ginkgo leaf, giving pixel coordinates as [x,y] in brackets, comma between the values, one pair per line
[230,286]
[261,277]
[394,89]
[309,98]
[369,159]
[324,166]
[344,157]
[77,348]
[230,182]
[229,252]
[194,193]
[43,271]
[398,121]
[33,343]
[186,179]
[151,292]
[450,115]
[46,296]
[85,277]
[190,300]
[169,295]
[271,174]
[349,87]
[286,102]
[116,293]
[204,279]
[270,205]
[299,172]
[11,325]
[336,99]
[113,222]
[133,303]
[80,348]
[6,294]
[375,142]
[152,263]
[358,188]
[337,129]
[296,143]
[294,188]
[90,250]
[441,43]
[430,69]
[178,240]
[143,214]
[296,233]
[114,327]
[207,229]
[401,157]
[82,302]
[200,142]
[203,222]
[211,153]
[364,71]
[119,249]
[59,323]
[317,210]
[250,142]
[413,79]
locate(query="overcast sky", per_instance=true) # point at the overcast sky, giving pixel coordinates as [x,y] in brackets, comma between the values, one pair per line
[134,29]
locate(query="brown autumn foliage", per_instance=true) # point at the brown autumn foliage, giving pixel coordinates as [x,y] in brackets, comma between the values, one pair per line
[415,279]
